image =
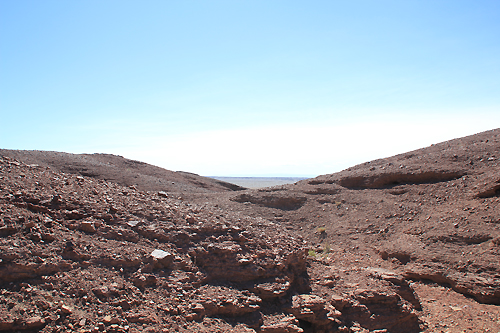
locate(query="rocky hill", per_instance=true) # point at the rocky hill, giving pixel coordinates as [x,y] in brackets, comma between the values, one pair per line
[405,244]
[122,171]
[84,254]
[430,217]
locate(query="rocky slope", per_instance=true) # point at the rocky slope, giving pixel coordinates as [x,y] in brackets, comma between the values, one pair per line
[429,215]
[122,171]
[391,245]
[80,253]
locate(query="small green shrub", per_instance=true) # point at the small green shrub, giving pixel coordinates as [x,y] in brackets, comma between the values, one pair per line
[321,230]
[312,253]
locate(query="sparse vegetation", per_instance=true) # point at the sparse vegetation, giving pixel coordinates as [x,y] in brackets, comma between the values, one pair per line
[321,230]
[311,253]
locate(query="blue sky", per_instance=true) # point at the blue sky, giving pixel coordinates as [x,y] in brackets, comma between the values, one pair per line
[247,88]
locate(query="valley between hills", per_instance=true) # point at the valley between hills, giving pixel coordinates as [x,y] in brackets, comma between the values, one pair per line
[101,243]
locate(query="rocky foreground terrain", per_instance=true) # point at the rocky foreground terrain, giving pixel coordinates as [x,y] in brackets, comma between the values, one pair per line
[409,243]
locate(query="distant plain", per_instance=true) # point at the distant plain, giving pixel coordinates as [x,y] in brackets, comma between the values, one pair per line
[260,182]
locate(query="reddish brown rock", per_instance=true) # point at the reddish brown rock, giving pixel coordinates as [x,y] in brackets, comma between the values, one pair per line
[144,280]
[238,261]
[141,317]
[108,320]
[88,226]
[65,309]
[288,324]
[314,310]
[36,322]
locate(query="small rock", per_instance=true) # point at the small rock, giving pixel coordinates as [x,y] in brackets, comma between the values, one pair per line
[197,307]
[133,223]
[288,324]
[102,292]
[66,309]
[192,316]
[34,322]
[125,305]
[327,283]
[140,317]
[164,258]
[87,226]
[144,280]
[160,254]
[339,301]
[108,320]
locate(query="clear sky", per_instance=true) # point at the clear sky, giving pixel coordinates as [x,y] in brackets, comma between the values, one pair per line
[247,88]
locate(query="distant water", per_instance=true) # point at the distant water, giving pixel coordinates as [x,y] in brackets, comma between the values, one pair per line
[259,182]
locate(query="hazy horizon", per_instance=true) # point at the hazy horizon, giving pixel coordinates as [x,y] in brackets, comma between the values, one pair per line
[247,88]
[260,182]
[267,175]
